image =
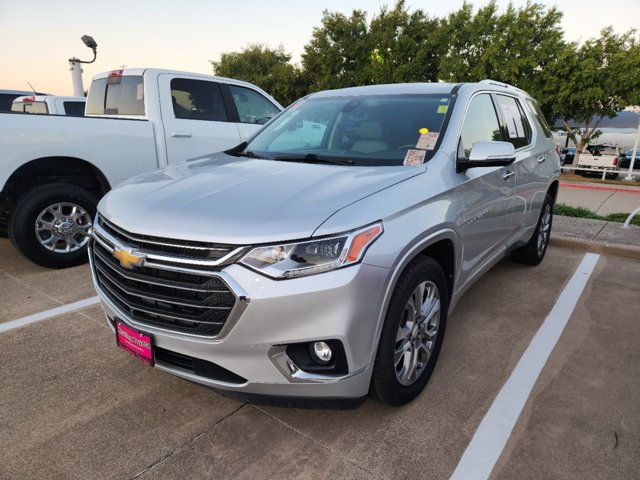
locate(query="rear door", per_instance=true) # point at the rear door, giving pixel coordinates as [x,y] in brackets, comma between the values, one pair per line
[530,183]
[195,119]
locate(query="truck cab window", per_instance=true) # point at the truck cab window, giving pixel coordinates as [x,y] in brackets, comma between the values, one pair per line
[252,107]
[116,96]
[197,100]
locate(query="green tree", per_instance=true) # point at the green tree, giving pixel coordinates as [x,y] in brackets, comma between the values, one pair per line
[395,46]
[514,47]
[594,81]
[337,51]
[270,69]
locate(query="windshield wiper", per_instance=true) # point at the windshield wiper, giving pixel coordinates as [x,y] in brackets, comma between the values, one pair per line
[314,158]
[238,151]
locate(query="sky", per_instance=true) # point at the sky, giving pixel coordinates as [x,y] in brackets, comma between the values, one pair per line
[39,36]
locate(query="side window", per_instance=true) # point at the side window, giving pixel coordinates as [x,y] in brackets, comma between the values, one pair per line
[197,100]
[480,124]
[252,106]
[516,126]
[535,108]
[74,109]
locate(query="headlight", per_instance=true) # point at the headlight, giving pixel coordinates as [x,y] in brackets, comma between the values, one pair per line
[290,260]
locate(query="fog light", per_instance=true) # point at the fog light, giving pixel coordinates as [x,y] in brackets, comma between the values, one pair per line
[321,352]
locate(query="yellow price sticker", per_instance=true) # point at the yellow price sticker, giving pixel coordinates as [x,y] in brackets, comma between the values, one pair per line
[424,130]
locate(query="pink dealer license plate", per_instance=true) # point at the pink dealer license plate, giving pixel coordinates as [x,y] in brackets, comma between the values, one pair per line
[136,343]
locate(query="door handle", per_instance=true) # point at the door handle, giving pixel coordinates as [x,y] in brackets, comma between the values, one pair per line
[180,134]
[542,159]
[508,174]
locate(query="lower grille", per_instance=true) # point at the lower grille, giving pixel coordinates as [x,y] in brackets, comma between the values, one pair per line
[196,366]
[176,301]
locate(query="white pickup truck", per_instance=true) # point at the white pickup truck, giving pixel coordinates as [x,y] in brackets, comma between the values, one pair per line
[54,169]
[600,159]
[49,105]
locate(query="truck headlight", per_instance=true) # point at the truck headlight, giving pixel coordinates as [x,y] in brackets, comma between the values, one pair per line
[290,260]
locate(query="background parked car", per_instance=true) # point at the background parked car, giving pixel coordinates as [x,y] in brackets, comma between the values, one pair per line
[50,105]
[567,155]
[625,160]
[8,96]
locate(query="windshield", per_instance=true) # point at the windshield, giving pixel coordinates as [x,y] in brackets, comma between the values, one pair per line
[356,130]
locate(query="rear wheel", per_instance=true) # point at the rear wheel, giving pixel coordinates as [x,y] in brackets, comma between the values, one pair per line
[412,333]
[50,224]
[533,252]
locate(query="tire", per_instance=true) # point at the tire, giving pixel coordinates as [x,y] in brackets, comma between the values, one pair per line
[420,338]
[49,224]
[533,252]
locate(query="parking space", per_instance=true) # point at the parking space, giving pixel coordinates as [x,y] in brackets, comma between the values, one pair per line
[72,405]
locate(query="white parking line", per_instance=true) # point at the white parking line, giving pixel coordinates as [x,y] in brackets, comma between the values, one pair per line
[36,317]
[494,431]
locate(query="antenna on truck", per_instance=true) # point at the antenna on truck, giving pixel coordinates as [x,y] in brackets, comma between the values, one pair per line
[34,90]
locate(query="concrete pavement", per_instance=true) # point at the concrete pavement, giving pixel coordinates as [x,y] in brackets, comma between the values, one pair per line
[597,235]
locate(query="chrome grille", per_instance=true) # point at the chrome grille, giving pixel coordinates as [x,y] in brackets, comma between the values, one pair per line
[163,295]
[185,248]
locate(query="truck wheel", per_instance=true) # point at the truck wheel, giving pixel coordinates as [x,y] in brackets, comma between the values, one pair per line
[50,224]
[412,333]
[533,252]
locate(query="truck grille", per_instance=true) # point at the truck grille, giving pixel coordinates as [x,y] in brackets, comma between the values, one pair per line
[159,294]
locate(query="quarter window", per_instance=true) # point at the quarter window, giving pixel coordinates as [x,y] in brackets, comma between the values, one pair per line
[480,124]
[252,106]
[197,100]
[535,108]
[516,126]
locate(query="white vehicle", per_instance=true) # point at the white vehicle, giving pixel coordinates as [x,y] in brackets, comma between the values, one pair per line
[599,158]
[49,104]
[7,96]
[54,169]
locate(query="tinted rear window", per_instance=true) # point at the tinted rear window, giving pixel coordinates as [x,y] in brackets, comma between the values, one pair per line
[75,109]
[116,96]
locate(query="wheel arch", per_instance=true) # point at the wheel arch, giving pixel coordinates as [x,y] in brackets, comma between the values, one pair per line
[71,170]
[443,247]
[553,190]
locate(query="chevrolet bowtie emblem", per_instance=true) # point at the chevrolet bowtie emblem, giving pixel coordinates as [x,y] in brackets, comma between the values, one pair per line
[127,258]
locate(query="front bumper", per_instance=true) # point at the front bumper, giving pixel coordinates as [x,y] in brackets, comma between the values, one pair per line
[341,305]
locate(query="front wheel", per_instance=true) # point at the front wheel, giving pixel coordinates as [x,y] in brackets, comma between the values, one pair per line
[533,252]
[50,224]
[412,333]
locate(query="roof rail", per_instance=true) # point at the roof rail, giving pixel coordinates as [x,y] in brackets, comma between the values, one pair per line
[496,83]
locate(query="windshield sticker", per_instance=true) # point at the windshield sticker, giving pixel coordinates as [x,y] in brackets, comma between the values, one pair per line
[139,92]
[414,157]
[423,130]
[427,141]
[443,108]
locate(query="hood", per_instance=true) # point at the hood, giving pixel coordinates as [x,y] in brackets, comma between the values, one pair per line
[242,201]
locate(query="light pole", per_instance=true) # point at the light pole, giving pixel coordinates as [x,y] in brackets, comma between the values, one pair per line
[633,153]
[76,69]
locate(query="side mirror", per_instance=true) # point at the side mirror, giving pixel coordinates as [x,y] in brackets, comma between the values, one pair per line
[488,154]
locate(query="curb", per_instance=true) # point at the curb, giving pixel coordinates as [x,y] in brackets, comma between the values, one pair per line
[626,251]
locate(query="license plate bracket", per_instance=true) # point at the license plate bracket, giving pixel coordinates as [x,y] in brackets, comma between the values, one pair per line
[134,342]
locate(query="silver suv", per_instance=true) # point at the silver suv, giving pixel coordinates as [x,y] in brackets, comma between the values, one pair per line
[321,259]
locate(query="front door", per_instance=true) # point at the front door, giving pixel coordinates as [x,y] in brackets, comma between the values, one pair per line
[488,192]
[194,118]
